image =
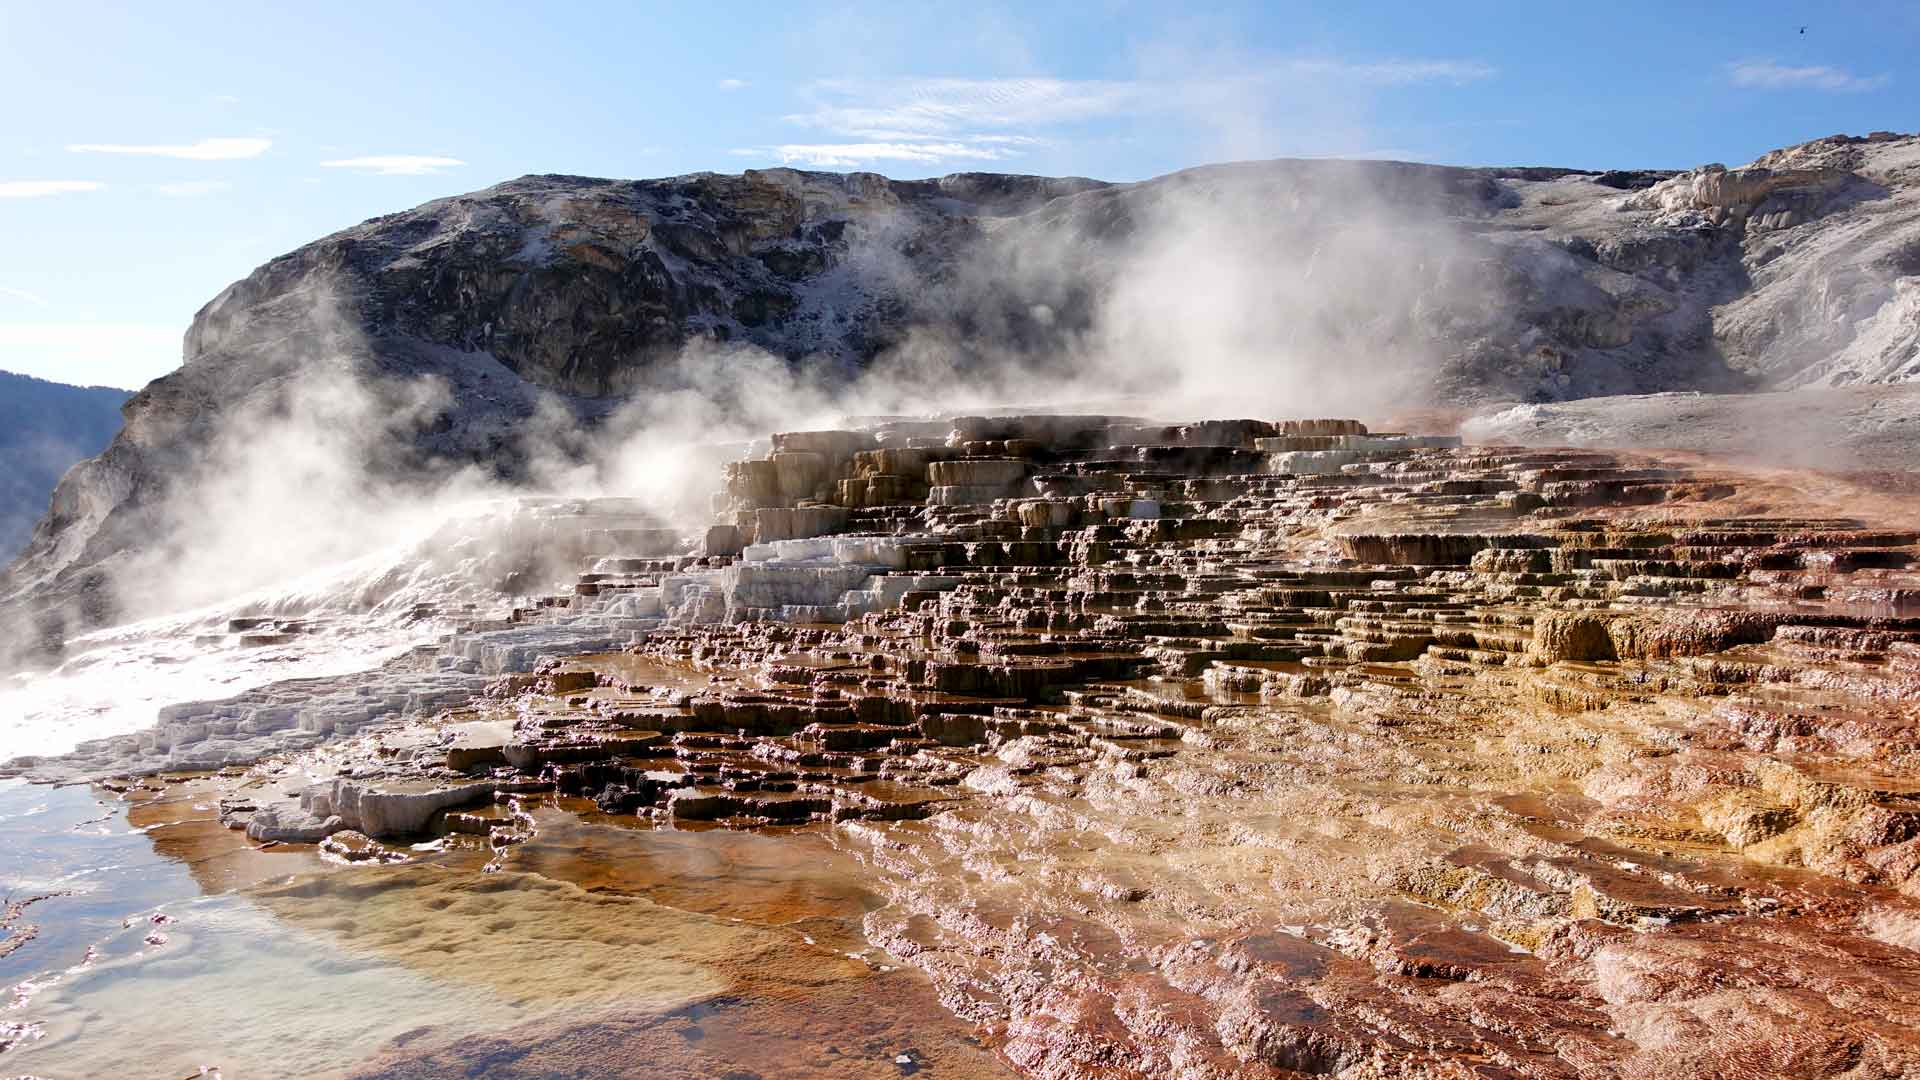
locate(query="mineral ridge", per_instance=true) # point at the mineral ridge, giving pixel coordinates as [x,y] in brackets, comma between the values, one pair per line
[1230,748]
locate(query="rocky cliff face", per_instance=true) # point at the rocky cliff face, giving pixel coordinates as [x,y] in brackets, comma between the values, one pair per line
[1457,285]
[1829,246]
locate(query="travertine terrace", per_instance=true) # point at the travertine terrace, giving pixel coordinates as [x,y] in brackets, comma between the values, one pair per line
[1242,747]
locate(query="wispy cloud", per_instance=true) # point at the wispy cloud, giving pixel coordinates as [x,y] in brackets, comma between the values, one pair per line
[929,108]
[395,164]
[186,189]
[34,189]
[926,121]
[1768,75]
[21,294]
[848,155]
[204,150]
[733,84]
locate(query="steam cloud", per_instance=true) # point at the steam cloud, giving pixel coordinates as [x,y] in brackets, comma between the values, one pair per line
[1271,290]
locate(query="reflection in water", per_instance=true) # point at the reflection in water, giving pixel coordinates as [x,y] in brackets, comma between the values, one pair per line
[774,877]
[229,986]
[599,950]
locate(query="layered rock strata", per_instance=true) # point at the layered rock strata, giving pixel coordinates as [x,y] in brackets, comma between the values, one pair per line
[462,330]
[1252,748]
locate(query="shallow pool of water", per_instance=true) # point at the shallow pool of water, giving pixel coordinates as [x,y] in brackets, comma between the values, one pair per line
[167,945]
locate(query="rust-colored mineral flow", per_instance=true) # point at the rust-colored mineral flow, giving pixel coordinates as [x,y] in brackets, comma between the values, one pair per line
[1258,749]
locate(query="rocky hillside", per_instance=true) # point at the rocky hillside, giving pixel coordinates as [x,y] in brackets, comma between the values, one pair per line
[45,427]
[560,295]
[1828,258]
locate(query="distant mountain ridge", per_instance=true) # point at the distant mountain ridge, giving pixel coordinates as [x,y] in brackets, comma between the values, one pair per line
[45,429]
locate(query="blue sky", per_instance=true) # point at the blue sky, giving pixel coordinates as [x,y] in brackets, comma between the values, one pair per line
[151,153]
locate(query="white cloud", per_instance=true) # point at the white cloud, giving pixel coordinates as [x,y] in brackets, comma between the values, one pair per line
[204,150]
[34,189]
[945,106]
[938,107]
[21,294]
[395,164]
[849,155]
[1768,75]
[109,354]
[185,189]
[931,120]
[734,84]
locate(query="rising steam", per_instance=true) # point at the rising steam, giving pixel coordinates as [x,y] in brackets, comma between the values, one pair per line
[1261,290]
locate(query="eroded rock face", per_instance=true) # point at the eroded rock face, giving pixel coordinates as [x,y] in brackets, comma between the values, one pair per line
[557,295]
[1763,199]
[1173,758]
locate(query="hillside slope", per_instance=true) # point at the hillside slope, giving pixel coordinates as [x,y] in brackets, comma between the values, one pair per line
[479,331]
[45,428]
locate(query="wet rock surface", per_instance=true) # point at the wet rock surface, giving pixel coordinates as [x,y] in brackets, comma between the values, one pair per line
[604,950]
[1247,748]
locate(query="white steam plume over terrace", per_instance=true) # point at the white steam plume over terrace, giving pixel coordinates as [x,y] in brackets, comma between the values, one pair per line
[324,486]
[1232,290]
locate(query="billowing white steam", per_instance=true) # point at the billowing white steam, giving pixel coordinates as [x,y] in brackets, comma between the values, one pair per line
[1229,291]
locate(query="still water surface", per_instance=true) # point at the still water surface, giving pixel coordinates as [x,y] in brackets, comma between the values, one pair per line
[167,946]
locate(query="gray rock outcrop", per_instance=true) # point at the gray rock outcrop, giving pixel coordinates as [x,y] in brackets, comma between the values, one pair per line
[537,307]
